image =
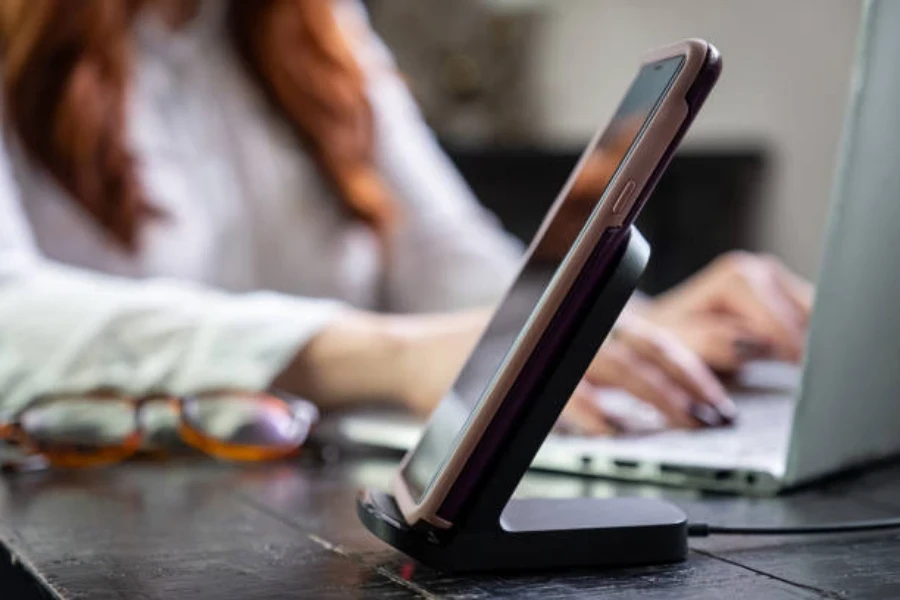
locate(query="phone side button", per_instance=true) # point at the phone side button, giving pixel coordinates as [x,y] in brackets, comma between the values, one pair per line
[624,196]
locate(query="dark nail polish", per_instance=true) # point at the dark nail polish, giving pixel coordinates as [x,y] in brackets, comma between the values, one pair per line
[706,414]
[748,348]
[728,417]
[727,411]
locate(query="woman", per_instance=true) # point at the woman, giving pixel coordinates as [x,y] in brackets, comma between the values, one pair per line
[166,159]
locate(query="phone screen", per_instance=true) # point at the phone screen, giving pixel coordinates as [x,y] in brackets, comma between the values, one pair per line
[450,419]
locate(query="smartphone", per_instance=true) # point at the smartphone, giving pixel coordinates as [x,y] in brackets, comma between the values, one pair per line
[591,217]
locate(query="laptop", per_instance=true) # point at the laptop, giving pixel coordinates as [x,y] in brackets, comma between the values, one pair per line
[840,410]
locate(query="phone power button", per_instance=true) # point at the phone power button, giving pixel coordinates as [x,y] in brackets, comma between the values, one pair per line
[623,201]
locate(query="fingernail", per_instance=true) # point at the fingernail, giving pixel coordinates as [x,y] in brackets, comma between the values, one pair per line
[717,399]
[706,414]
[727,411]
[750,348]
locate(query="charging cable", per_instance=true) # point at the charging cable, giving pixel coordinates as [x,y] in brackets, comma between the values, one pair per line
[705,530]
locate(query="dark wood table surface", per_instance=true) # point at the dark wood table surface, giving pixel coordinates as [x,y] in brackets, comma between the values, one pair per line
[196,529]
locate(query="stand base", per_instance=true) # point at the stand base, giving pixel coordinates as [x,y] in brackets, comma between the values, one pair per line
[541,534]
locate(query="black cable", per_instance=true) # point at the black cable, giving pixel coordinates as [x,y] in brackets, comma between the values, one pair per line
[704,530]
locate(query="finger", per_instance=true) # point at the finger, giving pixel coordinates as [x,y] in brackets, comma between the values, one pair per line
[766,311]
[722,342]
[682,365]
[618,366]
[583,415]
[798,290]
[665,349]
[652,385]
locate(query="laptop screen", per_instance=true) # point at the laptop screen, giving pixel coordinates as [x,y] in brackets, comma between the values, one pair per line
[450,419]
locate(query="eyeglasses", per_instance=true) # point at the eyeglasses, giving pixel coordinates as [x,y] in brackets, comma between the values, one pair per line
[105,427]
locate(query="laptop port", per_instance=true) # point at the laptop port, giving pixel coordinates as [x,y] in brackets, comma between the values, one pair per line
[696,472]
[625,464]
[676,469]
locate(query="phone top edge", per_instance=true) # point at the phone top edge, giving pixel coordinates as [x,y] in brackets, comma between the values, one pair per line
[688,47]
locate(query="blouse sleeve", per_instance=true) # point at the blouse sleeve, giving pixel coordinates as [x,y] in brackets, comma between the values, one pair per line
[450,252]
[65,329]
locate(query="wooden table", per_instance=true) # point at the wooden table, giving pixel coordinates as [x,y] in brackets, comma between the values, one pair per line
[195,529]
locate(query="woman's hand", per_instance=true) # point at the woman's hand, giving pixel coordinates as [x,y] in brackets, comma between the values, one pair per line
[432,352]
[413,360]
[365,357]
[639,357]
[656,367]
[741,307]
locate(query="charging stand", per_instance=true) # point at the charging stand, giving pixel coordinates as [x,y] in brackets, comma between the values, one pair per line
[496,533]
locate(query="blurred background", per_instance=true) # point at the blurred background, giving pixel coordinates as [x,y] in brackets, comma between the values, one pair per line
[515,88]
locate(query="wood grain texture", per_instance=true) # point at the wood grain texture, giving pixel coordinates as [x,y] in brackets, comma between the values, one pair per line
[201,530]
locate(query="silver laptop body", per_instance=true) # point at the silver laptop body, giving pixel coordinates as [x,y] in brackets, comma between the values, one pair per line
[843,409]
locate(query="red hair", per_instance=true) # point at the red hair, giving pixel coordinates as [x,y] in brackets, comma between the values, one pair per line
[66,71]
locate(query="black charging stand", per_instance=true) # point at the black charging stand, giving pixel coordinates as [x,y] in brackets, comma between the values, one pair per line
[496,533]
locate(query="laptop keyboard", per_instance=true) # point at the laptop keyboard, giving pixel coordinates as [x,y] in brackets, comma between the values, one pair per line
[759,437]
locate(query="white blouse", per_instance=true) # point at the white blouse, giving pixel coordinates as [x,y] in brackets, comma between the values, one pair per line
[254,256]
